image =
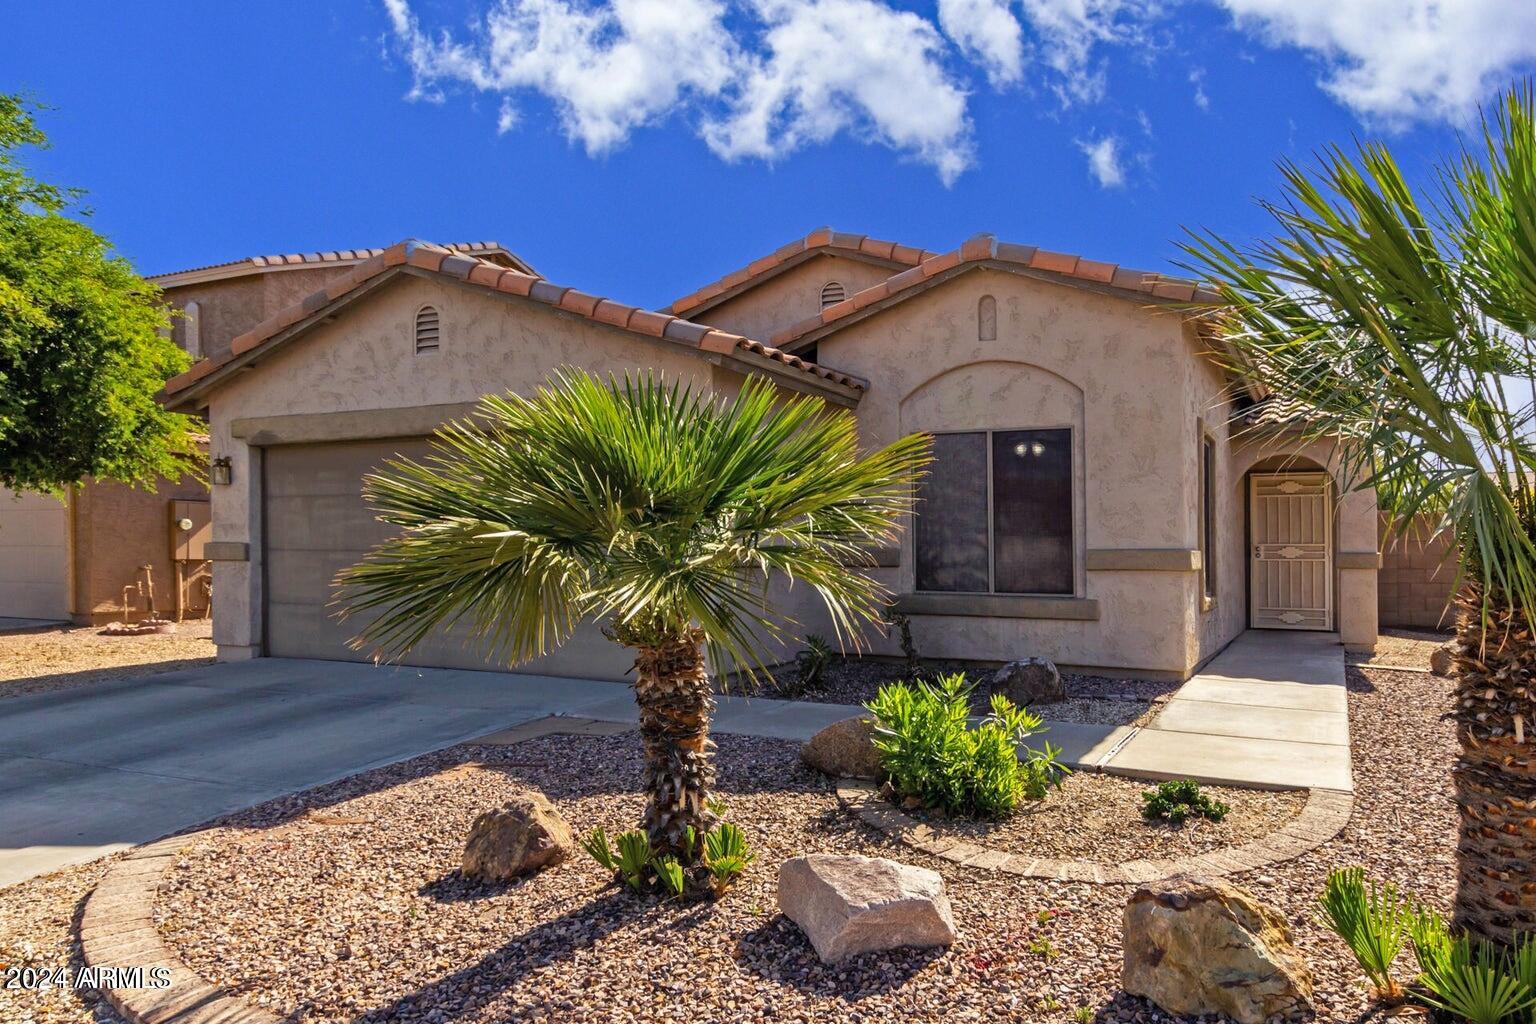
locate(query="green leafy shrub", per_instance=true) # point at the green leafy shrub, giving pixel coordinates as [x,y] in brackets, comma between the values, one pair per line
[1472,980]
[1373,921]
[929,751]
[1175,802]
[725,857]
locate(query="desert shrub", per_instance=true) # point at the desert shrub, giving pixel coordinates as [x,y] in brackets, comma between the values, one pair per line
[1372,920]
[903,627]
[929,750]
[725,857]
[810,665]
[1470,979]
[1465,979]
[1175,802]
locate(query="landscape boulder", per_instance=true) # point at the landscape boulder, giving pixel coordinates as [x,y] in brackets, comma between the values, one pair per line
[1196,947]
[848,905]
[844,749]
[1030,681]
[1443,659]
[521,836]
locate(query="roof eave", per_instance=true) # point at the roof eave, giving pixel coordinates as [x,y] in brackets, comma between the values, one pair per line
[682,308]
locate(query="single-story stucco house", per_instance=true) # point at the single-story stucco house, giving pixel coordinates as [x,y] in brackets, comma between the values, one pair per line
[1091,500]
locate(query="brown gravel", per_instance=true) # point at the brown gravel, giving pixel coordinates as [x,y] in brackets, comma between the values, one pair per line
[37,923]
[1097,818]
[70,656]
[1098,700]
[368,922]
[1409,648]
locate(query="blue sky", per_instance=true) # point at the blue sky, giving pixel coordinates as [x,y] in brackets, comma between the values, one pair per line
[640,148]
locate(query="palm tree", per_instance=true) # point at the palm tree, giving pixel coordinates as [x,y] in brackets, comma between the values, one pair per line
[658,511]
[1404,325]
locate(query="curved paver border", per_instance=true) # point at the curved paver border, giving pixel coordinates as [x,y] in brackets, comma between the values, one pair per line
[1324,816]
[117,929]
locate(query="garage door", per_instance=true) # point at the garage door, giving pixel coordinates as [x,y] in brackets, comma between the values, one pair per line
[317,524]
[34,557]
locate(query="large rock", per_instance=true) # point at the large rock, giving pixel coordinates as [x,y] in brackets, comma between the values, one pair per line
[519,837]
[844,749]
[1031,681]
[1194,947]
[849,905]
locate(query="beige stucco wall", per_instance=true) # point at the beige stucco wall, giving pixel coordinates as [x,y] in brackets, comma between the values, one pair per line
[1114,371]
[117,530]
[233,306]
[792,295]
[365,360]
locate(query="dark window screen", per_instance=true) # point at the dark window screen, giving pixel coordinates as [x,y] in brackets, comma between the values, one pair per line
[952,516]
[1032,511]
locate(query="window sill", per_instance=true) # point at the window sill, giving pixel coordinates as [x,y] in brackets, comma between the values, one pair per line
[999,606]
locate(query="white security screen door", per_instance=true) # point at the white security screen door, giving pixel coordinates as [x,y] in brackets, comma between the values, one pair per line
[1291,528]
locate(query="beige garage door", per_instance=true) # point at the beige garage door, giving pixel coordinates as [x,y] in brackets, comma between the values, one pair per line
[317,524]
[34,557]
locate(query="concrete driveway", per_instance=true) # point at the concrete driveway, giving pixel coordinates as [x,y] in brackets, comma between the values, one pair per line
[91,770]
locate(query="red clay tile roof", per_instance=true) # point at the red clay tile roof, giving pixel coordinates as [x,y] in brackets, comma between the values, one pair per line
[441,260]
[987,249]
[821,240]
[253,264]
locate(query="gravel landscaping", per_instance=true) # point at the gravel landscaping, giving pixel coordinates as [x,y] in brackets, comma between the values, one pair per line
[1091,699]
[344,903]
[45,660]
[1097,817]
[1406,647]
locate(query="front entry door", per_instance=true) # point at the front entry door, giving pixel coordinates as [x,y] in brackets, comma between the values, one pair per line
[1292,567]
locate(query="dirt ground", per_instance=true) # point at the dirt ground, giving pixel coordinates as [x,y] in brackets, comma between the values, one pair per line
[45,660]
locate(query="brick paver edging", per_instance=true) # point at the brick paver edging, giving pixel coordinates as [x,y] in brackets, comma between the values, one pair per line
[1324,816]
[117,928]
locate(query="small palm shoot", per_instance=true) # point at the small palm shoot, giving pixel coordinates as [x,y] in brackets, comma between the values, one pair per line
[727,855]
[1373,920]
[1473,980]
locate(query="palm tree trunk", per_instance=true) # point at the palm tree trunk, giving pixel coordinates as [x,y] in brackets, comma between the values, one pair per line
[676,701]
[1496,775]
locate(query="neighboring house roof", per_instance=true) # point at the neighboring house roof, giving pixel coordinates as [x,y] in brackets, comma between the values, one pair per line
[987,251]
[492,251]
[1277,412]
[424,258]
[822,241]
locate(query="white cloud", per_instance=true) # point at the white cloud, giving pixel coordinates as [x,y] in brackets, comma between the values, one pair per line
[988,33]
[1104,160]
[814,68]
[609,70]
[1068,31]
[1403,60]
[1197,79]
[845,65]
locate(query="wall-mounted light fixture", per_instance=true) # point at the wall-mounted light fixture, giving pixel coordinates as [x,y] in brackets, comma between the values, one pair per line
[219,472]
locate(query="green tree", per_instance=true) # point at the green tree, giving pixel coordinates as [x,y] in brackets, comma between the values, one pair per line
[660,512]
[82,353]
[1404,324]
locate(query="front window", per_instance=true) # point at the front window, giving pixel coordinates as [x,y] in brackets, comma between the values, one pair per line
[995,513]
[1208,515]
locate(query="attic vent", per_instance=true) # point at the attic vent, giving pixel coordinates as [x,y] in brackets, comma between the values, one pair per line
[426,329]
[832,293]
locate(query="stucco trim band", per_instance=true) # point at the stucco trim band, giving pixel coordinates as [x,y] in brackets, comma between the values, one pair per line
[353,425]
[1143,560]
[1359,559]
[1003,606]
[227,551]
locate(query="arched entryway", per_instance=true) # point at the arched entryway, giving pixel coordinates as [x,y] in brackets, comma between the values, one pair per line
[1291,545]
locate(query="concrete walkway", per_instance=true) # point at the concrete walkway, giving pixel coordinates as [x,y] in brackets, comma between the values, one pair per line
[1270,711]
